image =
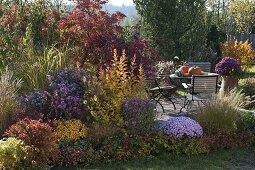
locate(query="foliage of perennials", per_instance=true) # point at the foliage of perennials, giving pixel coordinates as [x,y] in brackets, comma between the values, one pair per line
[13,154]
[181,126]
[228,67]
[139,115]
[68,90]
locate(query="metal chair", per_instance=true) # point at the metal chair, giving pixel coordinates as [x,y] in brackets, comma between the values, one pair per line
[157,92]
[200,89]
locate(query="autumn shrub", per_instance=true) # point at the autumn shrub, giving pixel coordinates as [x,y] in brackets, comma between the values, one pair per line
[68,90]
[139,116]
[114,84]
[37,135]
[13,154]
[9,87]
[76,152]
[70,130]
[242,51]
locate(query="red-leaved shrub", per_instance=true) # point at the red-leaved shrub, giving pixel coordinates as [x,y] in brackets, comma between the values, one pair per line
[37,135]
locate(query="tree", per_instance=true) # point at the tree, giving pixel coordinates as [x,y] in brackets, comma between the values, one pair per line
[176,27]
[243,13]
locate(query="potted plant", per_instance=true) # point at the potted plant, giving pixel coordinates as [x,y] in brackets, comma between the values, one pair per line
[230,71]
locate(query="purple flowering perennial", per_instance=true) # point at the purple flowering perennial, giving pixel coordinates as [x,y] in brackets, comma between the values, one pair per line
[178,127]
[36,101]
[137,105]
[228,66]
[68,92]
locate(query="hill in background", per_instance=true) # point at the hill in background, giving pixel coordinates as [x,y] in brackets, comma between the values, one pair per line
[129,11]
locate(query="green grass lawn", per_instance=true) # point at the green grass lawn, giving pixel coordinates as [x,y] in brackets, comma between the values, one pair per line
[238,159]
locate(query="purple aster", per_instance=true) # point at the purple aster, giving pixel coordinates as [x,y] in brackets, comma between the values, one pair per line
[177,127]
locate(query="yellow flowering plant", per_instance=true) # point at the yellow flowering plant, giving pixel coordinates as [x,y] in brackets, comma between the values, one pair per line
[72,129]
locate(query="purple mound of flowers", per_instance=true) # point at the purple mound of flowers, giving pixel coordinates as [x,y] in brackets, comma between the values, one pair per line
[228,66]
[178,127]
[68,92]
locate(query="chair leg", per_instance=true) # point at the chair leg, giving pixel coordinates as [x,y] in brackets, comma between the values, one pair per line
[186,101]
[169,99]
[158,102]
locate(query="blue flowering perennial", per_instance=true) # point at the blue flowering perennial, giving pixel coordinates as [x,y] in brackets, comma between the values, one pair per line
[37,101]
[182,126]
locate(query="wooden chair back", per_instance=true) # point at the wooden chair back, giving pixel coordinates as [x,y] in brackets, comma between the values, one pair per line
[204,84]
[205,66]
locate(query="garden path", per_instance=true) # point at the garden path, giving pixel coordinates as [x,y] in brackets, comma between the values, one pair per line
[170,111]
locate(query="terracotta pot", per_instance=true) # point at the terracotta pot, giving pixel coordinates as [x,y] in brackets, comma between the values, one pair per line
[228,83]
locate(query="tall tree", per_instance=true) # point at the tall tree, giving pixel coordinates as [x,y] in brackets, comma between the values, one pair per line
[243,14]
[176,27]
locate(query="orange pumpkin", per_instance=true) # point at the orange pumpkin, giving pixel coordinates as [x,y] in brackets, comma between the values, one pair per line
[184,69]
[195,71]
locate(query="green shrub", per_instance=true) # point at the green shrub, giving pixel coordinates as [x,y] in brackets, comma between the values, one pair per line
[221,112]
[114,84]
[249,91]
[8,98]
[249,86]
[12,153]
[248,121]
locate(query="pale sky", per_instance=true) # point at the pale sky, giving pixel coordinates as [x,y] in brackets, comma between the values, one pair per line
[121,2]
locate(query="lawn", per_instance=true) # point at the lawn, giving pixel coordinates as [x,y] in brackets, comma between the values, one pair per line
[242,159]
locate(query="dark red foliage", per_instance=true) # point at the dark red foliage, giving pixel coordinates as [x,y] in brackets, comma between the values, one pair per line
[88,18]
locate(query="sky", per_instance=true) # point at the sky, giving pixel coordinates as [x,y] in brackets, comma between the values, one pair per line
[121,2]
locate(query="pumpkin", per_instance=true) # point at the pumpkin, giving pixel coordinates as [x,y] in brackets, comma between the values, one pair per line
[184,69]
[195,71]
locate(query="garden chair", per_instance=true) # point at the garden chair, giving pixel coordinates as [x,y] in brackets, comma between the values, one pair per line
[200,90]
[158,92]
[205,66]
